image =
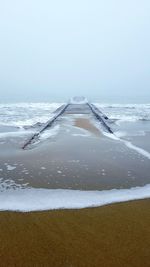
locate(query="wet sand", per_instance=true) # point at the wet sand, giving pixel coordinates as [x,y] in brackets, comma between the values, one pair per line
[111,236]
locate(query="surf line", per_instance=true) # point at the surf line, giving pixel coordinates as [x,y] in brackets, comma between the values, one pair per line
[31,199]
[141,151]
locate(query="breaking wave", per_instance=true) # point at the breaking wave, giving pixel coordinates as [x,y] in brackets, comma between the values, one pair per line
[27,200]
[127,112]
[26,114]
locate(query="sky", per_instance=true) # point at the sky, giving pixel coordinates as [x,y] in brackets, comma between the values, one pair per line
[52,50]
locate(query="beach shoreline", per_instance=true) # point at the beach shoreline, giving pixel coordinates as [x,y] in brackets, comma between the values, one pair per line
[87,167]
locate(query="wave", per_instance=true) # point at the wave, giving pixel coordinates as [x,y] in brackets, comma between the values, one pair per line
[126,112]
[26,114]
[27,200]
[130,106]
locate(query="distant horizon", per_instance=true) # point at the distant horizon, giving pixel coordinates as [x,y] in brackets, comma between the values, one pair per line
[100,99]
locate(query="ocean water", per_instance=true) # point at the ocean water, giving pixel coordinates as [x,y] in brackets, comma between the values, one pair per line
[28,114]
[130,124]
[125,119]
[126,112]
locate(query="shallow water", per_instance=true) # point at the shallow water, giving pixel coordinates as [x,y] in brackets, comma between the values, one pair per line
[76,153]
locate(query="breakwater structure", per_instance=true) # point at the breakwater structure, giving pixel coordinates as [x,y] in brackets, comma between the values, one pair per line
[76,105]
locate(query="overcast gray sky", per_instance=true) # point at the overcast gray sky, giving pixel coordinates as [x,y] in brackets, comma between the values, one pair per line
[55,49]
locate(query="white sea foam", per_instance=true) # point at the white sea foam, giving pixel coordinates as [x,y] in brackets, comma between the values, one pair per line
[10,167]
[138,149]
[126,112]
[26,200]
[120,134]
[26,114]
[9,184]
[128,144]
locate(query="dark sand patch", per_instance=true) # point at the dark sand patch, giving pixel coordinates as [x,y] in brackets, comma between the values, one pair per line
[117,235]
[86,124]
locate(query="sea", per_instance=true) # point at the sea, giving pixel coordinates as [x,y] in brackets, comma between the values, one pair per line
[130,124]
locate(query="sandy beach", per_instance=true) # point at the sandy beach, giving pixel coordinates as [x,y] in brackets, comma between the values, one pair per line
[111,236]
[74,133]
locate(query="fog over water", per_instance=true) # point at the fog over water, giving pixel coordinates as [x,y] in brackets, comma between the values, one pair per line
[51,50]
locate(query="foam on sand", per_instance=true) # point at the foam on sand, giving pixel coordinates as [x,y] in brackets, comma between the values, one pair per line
[26,200]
